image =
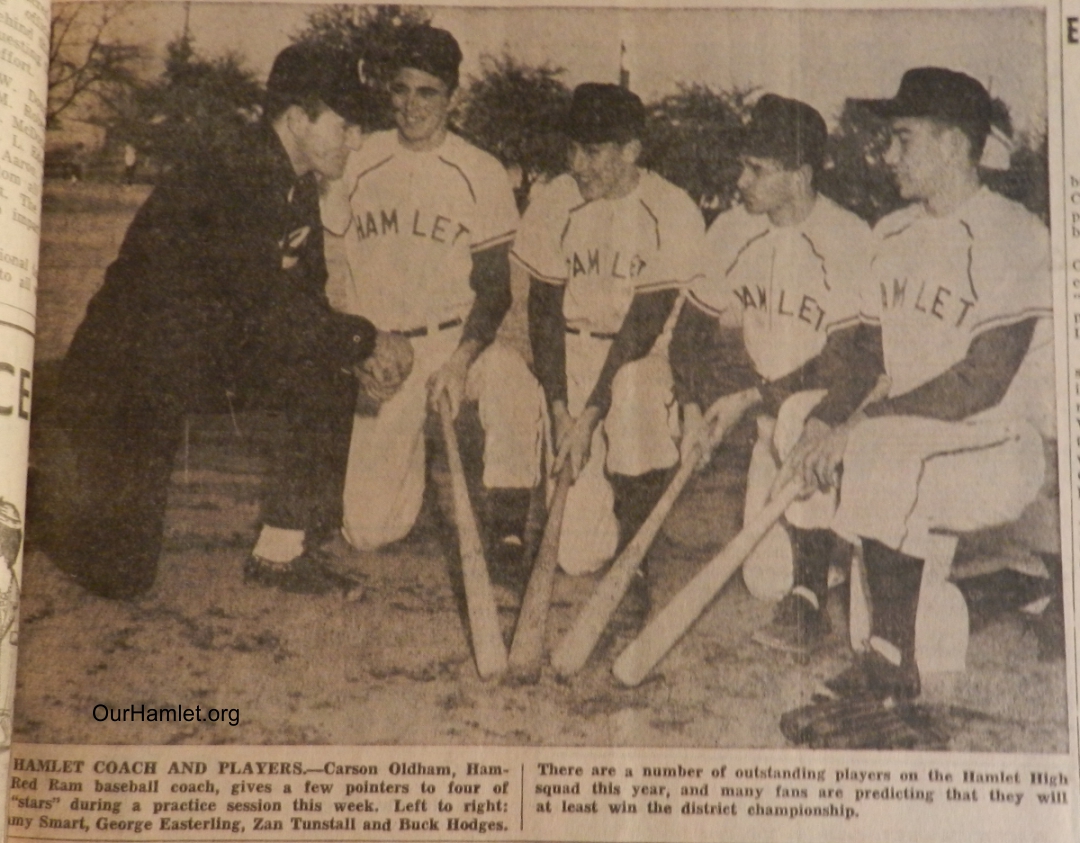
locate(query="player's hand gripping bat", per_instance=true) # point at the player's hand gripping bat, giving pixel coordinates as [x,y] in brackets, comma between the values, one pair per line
[634,663]
[488,647]
[527,649]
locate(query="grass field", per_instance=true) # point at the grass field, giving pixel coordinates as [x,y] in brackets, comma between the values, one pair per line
[395,665]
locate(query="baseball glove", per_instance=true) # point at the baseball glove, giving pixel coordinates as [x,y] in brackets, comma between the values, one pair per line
[862,723]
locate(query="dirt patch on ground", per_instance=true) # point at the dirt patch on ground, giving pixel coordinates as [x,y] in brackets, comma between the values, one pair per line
[394,666]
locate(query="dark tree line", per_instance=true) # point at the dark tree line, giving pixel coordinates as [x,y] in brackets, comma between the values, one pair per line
[512,110]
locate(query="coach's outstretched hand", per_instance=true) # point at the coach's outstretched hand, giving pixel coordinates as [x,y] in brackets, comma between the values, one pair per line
[383,373]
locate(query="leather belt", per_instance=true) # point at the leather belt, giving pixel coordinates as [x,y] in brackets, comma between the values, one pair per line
[423,331]
[598,335]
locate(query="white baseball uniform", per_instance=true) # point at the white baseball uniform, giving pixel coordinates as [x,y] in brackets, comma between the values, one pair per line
[605,252]
[937,283]
[412,222]
[788,288]
[914,482]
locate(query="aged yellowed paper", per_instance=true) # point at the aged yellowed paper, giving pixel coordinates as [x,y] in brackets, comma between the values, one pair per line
[592,225]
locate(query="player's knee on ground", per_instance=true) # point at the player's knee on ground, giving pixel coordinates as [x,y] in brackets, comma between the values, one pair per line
[642,423]
[513,414]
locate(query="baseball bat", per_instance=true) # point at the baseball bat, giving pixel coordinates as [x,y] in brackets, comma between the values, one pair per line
[580,640]
[488,647]
[660,635]
[634,663]
[527,648]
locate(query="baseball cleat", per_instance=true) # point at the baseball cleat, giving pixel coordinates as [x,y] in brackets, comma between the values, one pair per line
[873,676]
[797,627]
[303,575]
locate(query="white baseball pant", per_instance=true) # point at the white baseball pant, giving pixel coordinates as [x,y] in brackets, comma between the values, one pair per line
[384,482]
[769,570]
[634,438]
[915,484]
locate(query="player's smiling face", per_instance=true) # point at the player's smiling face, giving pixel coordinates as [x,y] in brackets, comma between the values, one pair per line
[920,156]
[603,170]
[764,185]
[421,105]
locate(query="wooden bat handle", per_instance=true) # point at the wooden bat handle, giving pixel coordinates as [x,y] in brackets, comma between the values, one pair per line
[488,647]
[635,662]
[527,648]
[580,640]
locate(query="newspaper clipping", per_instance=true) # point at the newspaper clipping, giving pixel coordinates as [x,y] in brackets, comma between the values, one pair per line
[554,423]
[24,35]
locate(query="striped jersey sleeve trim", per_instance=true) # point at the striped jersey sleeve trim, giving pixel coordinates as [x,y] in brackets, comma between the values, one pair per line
[846,322]
[505,237]
[702,306]
[1013,318]
[663,285]
[536,273]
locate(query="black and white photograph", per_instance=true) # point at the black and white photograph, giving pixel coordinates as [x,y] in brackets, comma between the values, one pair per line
[546,376]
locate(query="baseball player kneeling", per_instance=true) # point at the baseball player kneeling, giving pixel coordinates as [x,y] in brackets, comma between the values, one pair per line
[960,287]
[608,246]
[428,220]
[770,326]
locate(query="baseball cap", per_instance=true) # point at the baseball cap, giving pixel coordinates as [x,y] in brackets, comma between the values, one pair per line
[301,71]
[940,94]
[790,131]
[600,113]
[431,50]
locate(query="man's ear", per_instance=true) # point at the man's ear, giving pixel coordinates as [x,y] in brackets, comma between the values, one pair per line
[631,151]
[457,98]
[959,144]
[296,120]
[806,176]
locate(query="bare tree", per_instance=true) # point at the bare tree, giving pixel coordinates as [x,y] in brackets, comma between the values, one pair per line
[88,68]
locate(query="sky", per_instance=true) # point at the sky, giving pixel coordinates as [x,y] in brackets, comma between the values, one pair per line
[819,56]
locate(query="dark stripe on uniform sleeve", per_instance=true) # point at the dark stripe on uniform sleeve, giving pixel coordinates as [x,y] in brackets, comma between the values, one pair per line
[707,360]
[547,336]
[976,383]
[643,323]
[536,273]
[848,367]
[490,280]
